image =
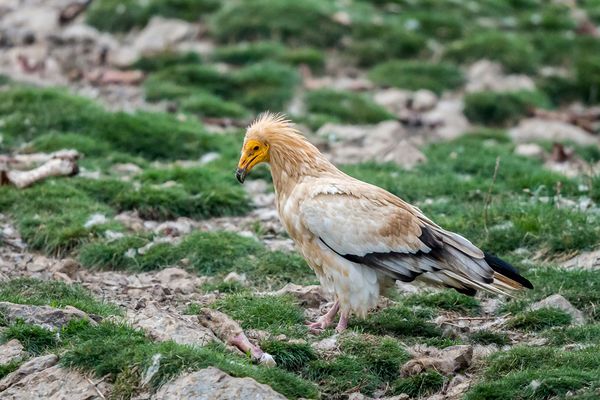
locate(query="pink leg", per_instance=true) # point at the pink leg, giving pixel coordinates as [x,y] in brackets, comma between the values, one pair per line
[324,321]
[343,322]
[242,343]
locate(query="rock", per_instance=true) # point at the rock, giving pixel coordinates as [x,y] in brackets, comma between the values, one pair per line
[386,141]
[235,277]
[214,384]
[46,316]
[30,367]
[559,302]
[589,261]
[308,296]
[180,227]
[129,169]
[161,34]
[487,75]
[394,100]
[536,129]
[68,266]
[11,351]
[327,345]
[54,383]
[531,150]
[423,100]
[445,361]
[164,325]
[29,24]
[447,118]
[95,219]
[178,280]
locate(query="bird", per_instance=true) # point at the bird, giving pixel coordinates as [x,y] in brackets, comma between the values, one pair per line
[358,238]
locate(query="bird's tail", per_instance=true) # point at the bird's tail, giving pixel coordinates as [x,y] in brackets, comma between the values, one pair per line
[505,275]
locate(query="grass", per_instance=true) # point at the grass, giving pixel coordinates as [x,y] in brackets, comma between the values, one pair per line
[502,108]
[6,369]
[35,339]
[420,385]
[273,313]
[54,294]
[513,51]
[538,320]
[348,107]
[485,337]
[279,20]
[449,300]
[28,113]
[367,362]
[509,374]
[119,16]
[264,268]
[399,321]
[289,356]
[412,75]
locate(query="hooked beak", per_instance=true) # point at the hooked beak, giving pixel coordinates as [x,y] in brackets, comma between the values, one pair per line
[240,174]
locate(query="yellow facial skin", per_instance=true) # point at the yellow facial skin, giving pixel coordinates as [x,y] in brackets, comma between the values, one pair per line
[253,152]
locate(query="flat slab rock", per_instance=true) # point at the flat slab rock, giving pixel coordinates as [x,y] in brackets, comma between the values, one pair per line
[10,351]
[45,316]
[54,383]
[214,384]
[164,325]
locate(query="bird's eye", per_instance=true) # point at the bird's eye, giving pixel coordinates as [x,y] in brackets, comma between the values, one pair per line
[255,148]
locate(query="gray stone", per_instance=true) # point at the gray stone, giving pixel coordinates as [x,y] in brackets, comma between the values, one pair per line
[214,384]
[445,361]
[589,260]
[11,351]
[164,325]
[45,316]
[536,129]
[30,367]
[559,302]
[308,296]
[54,383]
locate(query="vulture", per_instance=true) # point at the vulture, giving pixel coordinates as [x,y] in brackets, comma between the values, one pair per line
[359,238]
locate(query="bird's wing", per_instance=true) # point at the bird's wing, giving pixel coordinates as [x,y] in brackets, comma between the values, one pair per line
[367,225]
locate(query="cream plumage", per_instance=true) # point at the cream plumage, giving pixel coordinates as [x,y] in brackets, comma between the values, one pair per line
[357,237]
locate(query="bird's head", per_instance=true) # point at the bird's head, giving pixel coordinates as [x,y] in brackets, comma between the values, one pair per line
[260,135]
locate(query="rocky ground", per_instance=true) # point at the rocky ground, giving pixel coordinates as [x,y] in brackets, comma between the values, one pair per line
[152,274]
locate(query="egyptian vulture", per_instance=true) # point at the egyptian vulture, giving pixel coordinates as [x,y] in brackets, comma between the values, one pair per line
[358,238]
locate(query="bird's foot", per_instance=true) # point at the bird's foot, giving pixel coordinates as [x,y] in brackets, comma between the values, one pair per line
[342,323]
[324,321]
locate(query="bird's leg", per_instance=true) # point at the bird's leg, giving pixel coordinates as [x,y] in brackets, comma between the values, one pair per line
[343,322]
[325,320]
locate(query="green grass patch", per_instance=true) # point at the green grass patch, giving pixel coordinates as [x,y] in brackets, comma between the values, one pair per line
[513,51]
[29,112]
[399,321]
[449,300]
[412,75]
[486,337]
[207,253]
[12,366]
[537,320]
[368,362]
[509,374]
[502,108]
[348,107]
[289,356]
[279,20]
[417,386]
[276,314]
[586,334]
[54,294]
[121,16]
[35,339]
[52,216]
